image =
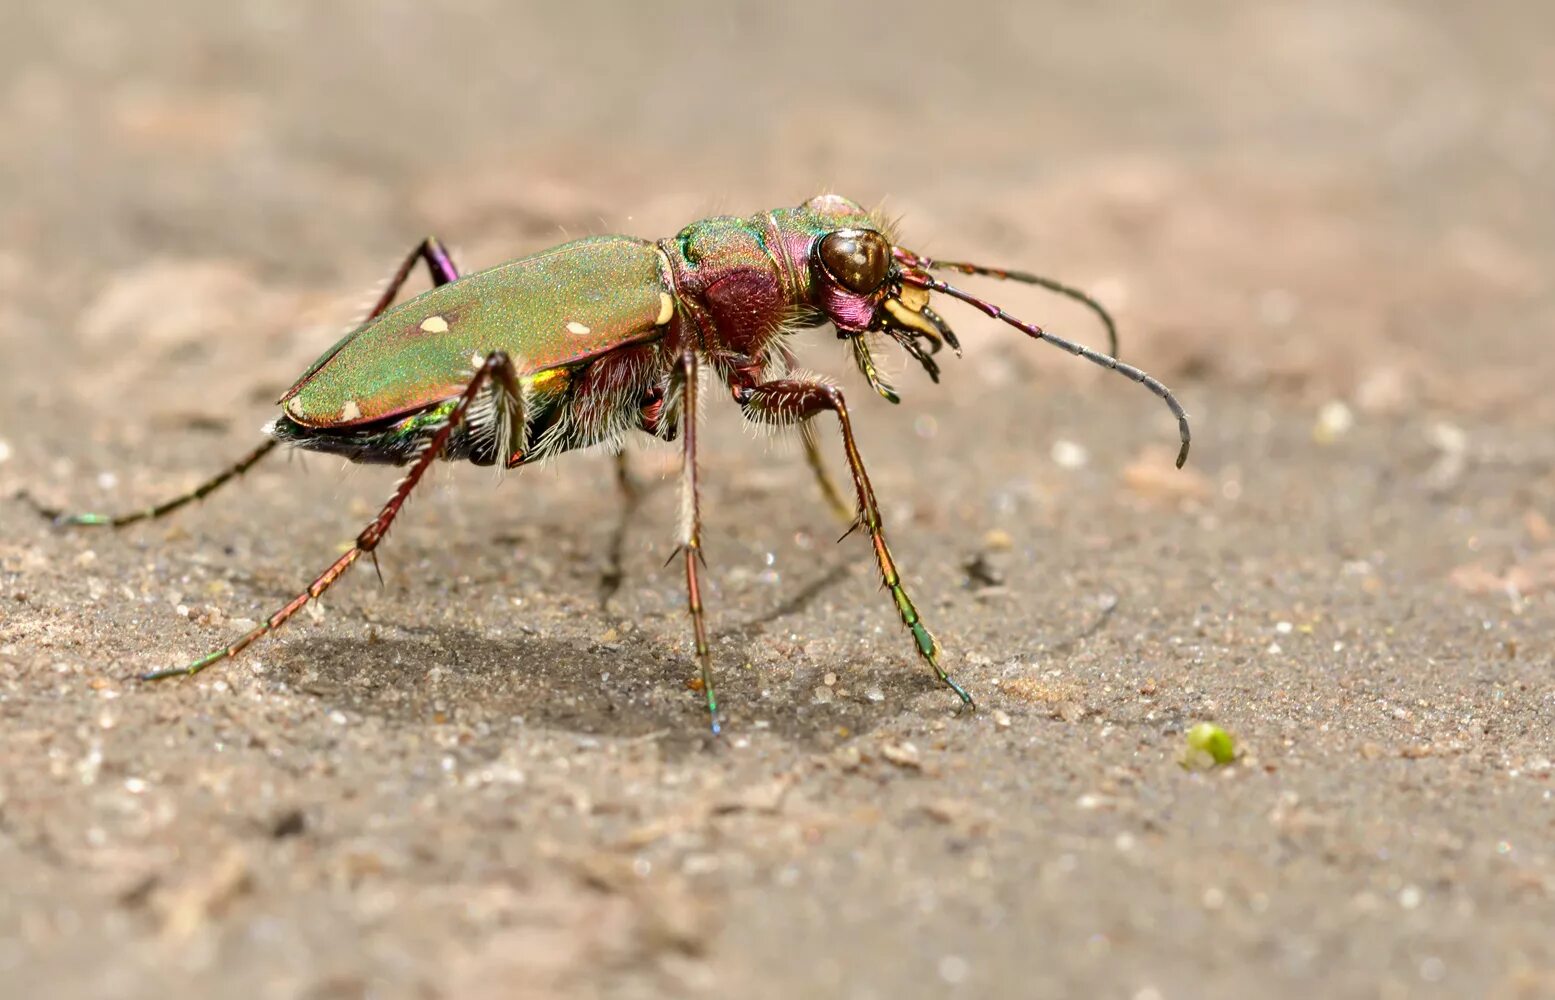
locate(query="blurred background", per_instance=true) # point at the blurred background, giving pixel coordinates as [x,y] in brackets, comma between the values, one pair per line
[1315,197]
[1329,226]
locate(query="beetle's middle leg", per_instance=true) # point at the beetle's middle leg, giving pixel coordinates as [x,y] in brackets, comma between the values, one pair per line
[496,370]
[651,420]
[788,401]
[631,496]
[691,525]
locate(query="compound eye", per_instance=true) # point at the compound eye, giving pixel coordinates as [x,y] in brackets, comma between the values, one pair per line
[857,258]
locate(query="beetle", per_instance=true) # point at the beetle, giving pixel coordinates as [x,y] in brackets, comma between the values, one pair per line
[597,339]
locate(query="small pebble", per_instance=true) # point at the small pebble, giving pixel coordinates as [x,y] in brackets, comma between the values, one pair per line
[902,755]
[998,540]
[1334,420]
[953,969]
[1070,455]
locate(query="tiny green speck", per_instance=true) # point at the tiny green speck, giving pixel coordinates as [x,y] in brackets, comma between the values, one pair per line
[1208,746]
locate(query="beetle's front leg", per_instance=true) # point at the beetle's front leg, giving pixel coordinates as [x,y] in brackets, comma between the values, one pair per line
[812,451]
[829,491]
[789,401]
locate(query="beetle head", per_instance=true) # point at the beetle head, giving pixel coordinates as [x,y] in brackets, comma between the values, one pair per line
[861,280]
[855,281]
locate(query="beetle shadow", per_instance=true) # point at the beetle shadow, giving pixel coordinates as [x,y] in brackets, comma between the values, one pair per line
[440,675]
[611,690]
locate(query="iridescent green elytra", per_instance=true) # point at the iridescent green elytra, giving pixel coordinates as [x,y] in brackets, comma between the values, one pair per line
[602,338]
[557,309]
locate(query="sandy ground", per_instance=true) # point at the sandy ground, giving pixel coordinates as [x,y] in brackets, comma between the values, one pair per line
[1329,226]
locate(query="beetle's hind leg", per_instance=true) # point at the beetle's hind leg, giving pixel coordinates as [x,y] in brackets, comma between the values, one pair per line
[440,266]
[442,270]
[496,371]
[92,520]
[797,399]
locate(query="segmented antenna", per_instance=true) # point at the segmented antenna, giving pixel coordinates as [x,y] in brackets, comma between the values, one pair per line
[1024,277]
[1096,357]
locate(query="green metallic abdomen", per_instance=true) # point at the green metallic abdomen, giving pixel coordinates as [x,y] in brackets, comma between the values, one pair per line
[552,310]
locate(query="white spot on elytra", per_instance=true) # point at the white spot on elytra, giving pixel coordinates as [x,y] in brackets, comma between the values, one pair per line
[350,411]
[666,309]
[578,328]
[434,324]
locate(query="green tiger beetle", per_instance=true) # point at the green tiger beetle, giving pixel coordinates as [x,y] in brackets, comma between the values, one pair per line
[592,340]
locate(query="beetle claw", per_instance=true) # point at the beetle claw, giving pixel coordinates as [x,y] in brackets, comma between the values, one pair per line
[909,339]
[945,332]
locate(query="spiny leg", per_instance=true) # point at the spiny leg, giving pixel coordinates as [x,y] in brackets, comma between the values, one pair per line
[165,507]
[625,484]
[791,400]
[495,369]
[442,270]
[823,479]
[439,265]
[691,527]
[631,497]
[812,451]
